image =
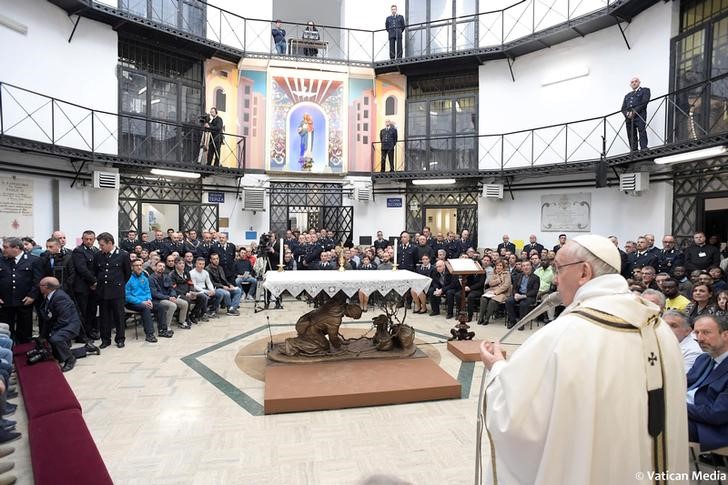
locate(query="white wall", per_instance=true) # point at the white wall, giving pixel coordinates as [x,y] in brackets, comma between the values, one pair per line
[510,106]
[240,220]
[373,216]
[612,213]
[82,71]
[79,208]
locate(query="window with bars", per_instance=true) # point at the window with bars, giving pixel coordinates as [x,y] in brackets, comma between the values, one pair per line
[166,89]
[695,12]
[700,53]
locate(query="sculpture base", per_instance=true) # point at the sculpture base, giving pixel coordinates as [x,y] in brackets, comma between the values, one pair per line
[353,349]
[465,350]
[355,383]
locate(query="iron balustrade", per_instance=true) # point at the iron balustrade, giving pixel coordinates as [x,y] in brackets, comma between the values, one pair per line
[28,115]
[250,37]
[674,122]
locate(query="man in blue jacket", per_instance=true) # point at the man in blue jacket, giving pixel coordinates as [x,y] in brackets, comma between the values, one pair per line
[139,298]
[708,385]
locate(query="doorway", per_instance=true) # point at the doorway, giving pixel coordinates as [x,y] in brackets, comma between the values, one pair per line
[715,218]
[441,219]
[159,217]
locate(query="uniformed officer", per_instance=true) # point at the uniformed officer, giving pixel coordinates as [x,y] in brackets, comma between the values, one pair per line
[227,253]
[395,25]
[113,268]
[19,278]
[669,256]
[130,242]
[84,284]
[406,253]
[313,253]
[634,109]
[388,140]
[58,264]
[61,323]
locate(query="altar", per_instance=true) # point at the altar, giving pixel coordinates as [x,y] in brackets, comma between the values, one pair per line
[322,369]
[350,282]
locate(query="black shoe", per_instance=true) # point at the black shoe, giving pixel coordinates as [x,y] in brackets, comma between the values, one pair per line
[9,409]
[120,345]
[8,436]
[166,333]
[233,311]
[92,349]
[521,327]
[80,340]
[94,335]
[7,424]
[104,345]
[184,325]
[11,394]
[433,314]
[151,339]
[192,320]
[68,365]
[448,317]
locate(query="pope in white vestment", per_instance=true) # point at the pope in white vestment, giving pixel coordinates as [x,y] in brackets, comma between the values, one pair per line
[570,406]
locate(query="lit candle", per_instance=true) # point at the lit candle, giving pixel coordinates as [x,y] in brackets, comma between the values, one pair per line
[281,253]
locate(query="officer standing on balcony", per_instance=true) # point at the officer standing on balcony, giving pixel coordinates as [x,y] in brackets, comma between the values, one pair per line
[634,109]
[388,139]
[395,27]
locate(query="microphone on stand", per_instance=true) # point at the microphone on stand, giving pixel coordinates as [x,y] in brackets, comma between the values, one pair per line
[551,301]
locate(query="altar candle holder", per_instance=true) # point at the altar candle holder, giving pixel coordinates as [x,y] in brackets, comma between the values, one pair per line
[280,268]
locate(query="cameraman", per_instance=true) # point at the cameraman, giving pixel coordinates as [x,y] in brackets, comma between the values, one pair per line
[215,126]
[61,324]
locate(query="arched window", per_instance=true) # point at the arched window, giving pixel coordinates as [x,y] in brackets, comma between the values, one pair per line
[390,106]
[220,99]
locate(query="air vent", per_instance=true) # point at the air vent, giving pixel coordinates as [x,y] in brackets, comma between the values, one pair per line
[363,194]
[106,180]
[493,191]
[254,200]
[634,182]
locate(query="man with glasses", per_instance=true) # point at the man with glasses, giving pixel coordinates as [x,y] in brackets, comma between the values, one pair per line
[603,384]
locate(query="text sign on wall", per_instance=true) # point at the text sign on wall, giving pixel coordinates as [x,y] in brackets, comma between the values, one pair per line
[394,202]
[16,207]
[216,197]
[566,212]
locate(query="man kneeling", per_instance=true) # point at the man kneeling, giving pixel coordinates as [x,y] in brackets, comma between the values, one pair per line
[61,324]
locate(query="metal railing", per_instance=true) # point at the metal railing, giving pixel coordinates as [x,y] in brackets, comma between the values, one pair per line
[27,115]
[252,37]
[695,112]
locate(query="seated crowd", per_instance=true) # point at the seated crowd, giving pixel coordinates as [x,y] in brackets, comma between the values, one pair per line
[192,280]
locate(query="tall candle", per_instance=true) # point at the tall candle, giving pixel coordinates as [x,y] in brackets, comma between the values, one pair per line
[395,252]
[281,253]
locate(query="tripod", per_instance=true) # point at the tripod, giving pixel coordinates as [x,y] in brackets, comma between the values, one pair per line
[263,296]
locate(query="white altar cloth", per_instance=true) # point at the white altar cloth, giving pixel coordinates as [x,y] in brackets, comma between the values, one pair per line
[350,282]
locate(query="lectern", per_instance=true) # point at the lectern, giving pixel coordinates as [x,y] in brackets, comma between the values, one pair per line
[462,267]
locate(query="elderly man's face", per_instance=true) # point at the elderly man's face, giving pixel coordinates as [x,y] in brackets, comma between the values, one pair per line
[569,273]
[634,83]
[678,327]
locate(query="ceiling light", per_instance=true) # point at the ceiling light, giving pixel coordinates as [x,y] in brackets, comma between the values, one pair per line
[174,173]
[433,182]
[692,156]
[565,74]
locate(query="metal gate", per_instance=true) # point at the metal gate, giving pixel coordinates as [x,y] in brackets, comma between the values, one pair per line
[322,202]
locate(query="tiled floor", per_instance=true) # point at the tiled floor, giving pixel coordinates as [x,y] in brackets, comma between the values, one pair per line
[156,419]
[183,412]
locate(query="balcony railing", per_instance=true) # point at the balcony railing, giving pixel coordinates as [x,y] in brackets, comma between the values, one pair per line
[64,127]
[674,122]
[250,37]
